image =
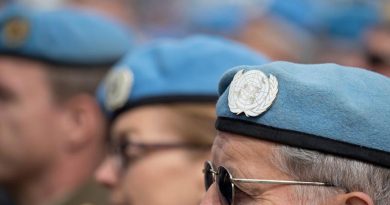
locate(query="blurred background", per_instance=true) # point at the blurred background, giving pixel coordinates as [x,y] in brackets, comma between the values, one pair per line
[348,32]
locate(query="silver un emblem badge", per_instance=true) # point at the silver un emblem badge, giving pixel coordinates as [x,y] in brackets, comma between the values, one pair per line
[118,87]
[252,92]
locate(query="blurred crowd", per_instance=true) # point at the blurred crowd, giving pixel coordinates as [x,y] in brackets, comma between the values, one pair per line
[353,33]
[348,32]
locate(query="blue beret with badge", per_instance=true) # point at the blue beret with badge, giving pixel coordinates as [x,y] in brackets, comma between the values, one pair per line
[168,70]
[329,108]
[65,36]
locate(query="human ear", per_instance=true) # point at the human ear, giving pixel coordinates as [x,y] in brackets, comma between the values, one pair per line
[82,121]
[356,198]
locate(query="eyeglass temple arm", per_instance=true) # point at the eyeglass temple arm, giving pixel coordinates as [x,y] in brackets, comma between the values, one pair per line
[170,146]
[265,181]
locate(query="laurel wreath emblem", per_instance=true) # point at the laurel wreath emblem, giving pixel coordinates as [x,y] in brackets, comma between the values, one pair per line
[252,92]
[118,83]
[15,32]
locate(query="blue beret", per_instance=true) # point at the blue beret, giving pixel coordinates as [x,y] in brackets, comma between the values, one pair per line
[304,13]
[335,18]
[351,22]
[165,71]
[223,17]
[326,107]
[62,36]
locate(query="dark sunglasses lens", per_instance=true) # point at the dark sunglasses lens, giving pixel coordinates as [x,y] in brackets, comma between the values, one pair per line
[375,59]
[225,186]
[208,175]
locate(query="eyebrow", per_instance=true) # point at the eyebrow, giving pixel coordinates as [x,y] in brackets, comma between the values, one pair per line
[237,172]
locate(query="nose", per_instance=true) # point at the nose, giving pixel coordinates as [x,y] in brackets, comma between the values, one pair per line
[211,196]
[107,173]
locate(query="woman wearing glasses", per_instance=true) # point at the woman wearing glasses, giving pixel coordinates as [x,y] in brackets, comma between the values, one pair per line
[160,101]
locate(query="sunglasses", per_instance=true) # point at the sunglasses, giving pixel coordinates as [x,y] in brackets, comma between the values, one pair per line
[226,183]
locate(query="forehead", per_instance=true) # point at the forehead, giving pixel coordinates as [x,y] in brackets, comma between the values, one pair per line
[17,67]
[243,155]
[237,144]
[147,123]
[18,72]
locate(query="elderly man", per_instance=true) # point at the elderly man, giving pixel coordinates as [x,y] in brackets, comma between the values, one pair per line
[51,128]
[301,134]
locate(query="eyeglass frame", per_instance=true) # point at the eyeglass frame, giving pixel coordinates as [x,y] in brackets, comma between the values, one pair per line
[257,181]
[117,149]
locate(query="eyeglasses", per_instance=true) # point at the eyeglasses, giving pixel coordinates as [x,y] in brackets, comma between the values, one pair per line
[376,59]
[226,183]
[127,152]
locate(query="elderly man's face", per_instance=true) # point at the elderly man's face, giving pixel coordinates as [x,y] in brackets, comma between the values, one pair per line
[248,158]
[251,159]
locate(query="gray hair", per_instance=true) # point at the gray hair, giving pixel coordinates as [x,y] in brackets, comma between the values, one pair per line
[346,174]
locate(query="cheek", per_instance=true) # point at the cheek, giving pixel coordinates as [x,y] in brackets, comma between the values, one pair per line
[164,179]
[22,135]
[119,194]
[11,151]
[283,195]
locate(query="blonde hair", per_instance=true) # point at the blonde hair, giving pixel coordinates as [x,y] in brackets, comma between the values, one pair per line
[195,122]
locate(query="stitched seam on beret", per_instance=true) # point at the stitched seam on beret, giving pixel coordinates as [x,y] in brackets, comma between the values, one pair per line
[303,140]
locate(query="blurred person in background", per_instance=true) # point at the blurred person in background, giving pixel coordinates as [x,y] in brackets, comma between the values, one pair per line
[377,49]
[332,29]
[158,20]
[342,29]
[340,52]
[120,10]
[248,22]
[252,23]
[161,103]
[52,132]
[277,39]
[295,30]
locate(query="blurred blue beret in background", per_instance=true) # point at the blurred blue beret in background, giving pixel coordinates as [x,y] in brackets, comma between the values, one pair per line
[224,17]
[165,71]
[326,107]
[337,19]
[64,36]
[351,22]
